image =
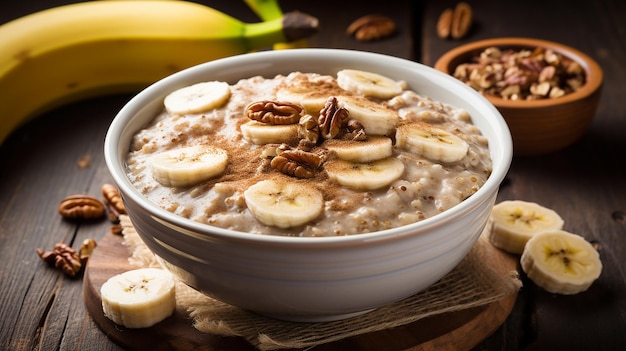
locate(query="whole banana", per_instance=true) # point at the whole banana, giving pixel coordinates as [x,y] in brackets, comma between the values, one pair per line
[71,52]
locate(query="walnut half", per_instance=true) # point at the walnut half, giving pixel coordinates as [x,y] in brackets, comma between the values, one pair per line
[274,112]
[62,257]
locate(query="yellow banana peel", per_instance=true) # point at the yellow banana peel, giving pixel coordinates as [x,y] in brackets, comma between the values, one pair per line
[71,52]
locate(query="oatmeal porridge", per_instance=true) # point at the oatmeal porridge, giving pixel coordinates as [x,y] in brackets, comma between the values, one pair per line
[306,154]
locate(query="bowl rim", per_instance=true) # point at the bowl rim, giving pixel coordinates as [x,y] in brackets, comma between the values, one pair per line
[178,223]
[593,71]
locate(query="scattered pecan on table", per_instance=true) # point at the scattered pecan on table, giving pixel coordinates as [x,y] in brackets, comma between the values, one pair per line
[66,259]
[81,207]
[455,23]
[372,27]
[113,202]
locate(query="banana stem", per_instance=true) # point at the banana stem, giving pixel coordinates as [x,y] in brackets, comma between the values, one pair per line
[267,10]
[295,25]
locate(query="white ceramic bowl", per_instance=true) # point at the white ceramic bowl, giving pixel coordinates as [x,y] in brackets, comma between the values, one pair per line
[311,279]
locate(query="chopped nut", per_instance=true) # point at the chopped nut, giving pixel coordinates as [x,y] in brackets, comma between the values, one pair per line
[84,161]
[274,112]
[86,248]
[541,89]
[308,129]
[117,229]
[521,74]
[62,257]
[356,131]
[556,92]
[79,207]
[372,27]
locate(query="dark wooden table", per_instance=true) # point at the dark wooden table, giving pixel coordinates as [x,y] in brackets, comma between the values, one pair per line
[586,183]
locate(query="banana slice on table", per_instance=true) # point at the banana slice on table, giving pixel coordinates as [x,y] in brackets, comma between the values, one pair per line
[284,204]
[514,222]
[431,142]
[196,98]
[368,84]
[365,176]
[139,298]
[375,118]
[372,149]
[189,165]
[561,262]
[263,133]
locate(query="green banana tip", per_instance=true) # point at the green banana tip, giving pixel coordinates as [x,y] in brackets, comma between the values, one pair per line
[298,25]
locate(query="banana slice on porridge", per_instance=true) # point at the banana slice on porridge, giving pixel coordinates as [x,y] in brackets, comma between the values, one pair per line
[284,204]
[431,142]
[196,98]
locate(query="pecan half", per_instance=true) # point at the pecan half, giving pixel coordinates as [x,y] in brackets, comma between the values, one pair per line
[444,24]
[274,112]
[332,118]
[372,27]
[455,23]
[297,163]
[461,20]
[79,207]
[113,202]
[291,168]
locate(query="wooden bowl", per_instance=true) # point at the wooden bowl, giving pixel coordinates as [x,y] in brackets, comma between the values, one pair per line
[539,126]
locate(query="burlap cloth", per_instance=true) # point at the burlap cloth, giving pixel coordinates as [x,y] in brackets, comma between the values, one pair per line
[472,283]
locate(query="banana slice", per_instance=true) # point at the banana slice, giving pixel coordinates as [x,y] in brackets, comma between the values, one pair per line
[431,142]
[139,298]
[262,133]
[365,176]
[375,118]
[196,98]
[189,165]
[311,101]
[372,149]
[368,84]
[283,204]
[310,94]
[514,222]
[561,262]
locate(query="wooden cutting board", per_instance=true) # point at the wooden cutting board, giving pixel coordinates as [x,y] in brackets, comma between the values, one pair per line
[460,330]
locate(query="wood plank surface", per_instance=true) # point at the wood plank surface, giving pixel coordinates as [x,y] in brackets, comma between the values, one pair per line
[585,183]
[43,310]
[460,330]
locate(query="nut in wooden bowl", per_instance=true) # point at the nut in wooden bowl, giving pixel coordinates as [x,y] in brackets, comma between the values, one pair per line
[547,92]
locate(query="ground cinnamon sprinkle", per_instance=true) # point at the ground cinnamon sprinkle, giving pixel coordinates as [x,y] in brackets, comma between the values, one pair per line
[424,188]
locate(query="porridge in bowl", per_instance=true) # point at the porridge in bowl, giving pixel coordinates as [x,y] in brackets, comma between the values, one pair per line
[306,154]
